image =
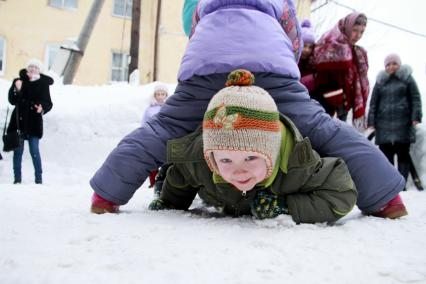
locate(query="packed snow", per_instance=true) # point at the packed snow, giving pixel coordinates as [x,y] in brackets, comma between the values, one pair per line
[48,234]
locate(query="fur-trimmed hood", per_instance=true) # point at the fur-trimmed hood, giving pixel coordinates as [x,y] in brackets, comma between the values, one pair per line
[402,73]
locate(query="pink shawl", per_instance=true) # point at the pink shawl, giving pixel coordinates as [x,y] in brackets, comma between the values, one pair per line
[334,51]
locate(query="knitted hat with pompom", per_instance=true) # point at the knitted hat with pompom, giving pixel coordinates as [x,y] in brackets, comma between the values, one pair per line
[308,35]
[242,117]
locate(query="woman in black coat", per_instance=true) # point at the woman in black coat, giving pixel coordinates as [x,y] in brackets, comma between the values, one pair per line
[395,109]
[31,97]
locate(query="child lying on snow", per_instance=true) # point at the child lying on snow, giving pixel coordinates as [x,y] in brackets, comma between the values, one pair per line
[247,159]
[263,37]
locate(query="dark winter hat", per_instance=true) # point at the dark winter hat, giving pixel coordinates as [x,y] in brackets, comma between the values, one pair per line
[393,57]
[242,117]
[307,32]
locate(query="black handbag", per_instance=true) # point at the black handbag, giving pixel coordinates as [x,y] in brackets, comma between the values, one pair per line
[12,140]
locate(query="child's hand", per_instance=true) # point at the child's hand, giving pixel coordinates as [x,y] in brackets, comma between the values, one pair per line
[157,204]
[266,205]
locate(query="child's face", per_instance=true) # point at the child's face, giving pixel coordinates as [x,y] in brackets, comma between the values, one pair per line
[307,50]
[356,34]
[241,168]
[392,67]
[160,96]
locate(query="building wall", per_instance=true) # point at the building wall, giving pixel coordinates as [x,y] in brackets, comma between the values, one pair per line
[28,26]
[147,40]
[172,40]
[303,8]
[25,26]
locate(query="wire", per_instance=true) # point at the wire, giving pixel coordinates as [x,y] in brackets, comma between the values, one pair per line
[320,6]
[396,27]
[370,19]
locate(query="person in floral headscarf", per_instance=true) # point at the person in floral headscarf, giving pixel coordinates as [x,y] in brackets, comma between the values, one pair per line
[342,69]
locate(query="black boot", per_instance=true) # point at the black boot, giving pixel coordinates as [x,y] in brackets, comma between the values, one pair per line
[415,176]
[418,183]
[159,180]
[404,169]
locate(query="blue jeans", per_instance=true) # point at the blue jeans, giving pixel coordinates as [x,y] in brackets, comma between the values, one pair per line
[35,155]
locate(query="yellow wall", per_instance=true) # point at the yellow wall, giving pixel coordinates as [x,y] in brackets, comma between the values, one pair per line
[303,9]
[172,40]
[29,25]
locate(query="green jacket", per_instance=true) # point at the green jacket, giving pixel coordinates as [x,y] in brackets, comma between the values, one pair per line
[314,189]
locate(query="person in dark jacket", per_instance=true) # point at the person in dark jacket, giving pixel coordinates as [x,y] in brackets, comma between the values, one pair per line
[395,109]
[247,160]
[263,37]
[30,95]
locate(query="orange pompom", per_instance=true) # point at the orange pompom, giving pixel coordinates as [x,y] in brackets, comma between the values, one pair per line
[240,77]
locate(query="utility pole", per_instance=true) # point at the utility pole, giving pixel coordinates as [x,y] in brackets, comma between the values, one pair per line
[156,44]
[134,36]
[83,39]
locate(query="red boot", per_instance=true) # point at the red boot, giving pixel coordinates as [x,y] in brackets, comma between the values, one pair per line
[152,176]
[100,205]
[392,210]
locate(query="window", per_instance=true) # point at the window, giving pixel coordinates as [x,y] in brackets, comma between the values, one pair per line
[2,54]
[122,8]
[63,4]
[120,67]
[52,50]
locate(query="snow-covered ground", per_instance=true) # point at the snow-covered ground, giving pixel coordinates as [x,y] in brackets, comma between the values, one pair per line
[48,235]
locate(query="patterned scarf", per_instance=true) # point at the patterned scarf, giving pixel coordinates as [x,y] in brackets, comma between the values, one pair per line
[334,52]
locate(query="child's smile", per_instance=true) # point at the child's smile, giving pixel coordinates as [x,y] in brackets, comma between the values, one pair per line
[242,169]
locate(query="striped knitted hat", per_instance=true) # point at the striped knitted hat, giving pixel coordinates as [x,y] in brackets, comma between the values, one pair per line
[242,117]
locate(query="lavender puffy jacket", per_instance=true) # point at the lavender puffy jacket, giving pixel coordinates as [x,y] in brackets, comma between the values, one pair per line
[229,37]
